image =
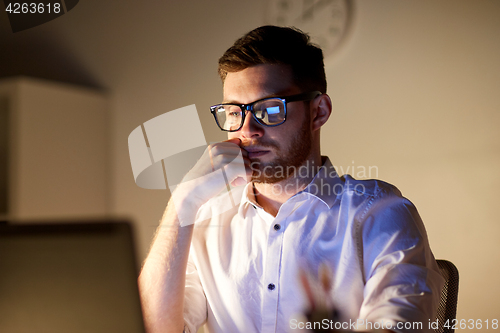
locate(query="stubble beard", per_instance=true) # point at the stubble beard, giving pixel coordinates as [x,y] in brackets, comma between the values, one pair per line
[286,162]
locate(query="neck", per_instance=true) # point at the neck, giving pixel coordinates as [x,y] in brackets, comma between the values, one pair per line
[272,196]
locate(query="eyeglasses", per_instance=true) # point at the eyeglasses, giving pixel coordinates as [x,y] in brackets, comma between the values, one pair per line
[267,111]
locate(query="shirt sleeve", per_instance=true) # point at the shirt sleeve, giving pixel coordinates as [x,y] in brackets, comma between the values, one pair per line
[403,283]
[195,303]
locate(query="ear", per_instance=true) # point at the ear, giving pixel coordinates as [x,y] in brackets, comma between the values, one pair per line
[321,111]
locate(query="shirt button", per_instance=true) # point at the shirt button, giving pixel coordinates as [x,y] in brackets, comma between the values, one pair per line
[277,227]
[271,286]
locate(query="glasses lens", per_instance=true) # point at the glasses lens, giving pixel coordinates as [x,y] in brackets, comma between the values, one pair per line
[228,117]
[270,111]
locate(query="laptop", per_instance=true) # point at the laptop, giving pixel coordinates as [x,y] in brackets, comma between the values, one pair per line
[69,277]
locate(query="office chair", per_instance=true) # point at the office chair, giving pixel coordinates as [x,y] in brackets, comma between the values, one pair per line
[447,308]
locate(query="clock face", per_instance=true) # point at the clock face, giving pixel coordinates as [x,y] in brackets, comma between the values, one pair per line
[326,21]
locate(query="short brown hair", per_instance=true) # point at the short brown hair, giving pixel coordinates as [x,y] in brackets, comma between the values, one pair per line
[278,45]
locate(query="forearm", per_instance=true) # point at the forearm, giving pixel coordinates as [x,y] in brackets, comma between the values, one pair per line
[162,279]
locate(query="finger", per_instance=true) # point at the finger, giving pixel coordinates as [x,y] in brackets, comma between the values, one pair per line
[239,168]
[244,153]
[248,168]
[222,148]
[236,141]
[239,182]
[211,157]
[231,146]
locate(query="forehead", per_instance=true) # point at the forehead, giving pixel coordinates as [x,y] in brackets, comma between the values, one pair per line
[258,82]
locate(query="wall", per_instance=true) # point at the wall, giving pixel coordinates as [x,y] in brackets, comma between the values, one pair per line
[416,95]
[414,92]
[57,150]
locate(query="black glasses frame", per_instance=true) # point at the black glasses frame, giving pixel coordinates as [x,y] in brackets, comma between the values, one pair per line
[249,107]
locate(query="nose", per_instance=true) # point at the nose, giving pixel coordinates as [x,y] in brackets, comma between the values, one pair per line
[251,129]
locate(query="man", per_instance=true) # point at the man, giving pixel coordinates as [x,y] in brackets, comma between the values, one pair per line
[244,269]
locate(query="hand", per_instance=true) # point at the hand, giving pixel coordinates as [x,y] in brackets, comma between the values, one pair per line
[225,155]
[221,164]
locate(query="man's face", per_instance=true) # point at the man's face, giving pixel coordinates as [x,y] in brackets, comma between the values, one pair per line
[273,151]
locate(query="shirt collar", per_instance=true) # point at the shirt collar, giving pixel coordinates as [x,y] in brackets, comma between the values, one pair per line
[249,196]
[325,186]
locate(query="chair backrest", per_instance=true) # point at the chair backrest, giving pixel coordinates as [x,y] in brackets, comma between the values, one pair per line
[447,309]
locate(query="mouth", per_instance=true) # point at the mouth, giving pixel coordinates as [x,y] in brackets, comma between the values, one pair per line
[254,152]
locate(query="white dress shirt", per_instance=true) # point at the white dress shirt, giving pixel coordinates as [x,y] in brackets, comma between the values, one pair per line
[243,270]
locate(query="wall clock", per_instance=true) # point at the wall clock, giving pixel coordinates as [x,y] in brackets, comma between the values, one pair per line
[326,21]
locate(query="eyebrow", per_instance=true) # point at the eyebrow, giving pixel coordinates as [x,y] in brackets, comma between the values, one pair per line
[280,94]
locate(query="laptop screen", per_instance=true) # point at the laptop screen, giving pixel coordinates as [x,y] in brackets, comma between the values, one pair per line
[75,277]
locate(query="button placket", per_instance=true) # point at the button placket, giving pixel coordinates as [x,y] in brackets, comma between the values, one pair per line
[272,276]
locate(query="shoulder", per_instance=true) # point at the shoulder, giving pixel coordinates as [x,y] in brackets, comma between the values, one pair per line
[376,200]
[368,187]
[364,194]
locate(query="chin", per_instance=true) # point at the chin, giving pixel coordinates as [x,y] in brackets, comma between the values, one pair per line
[266,180]
[268,173]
